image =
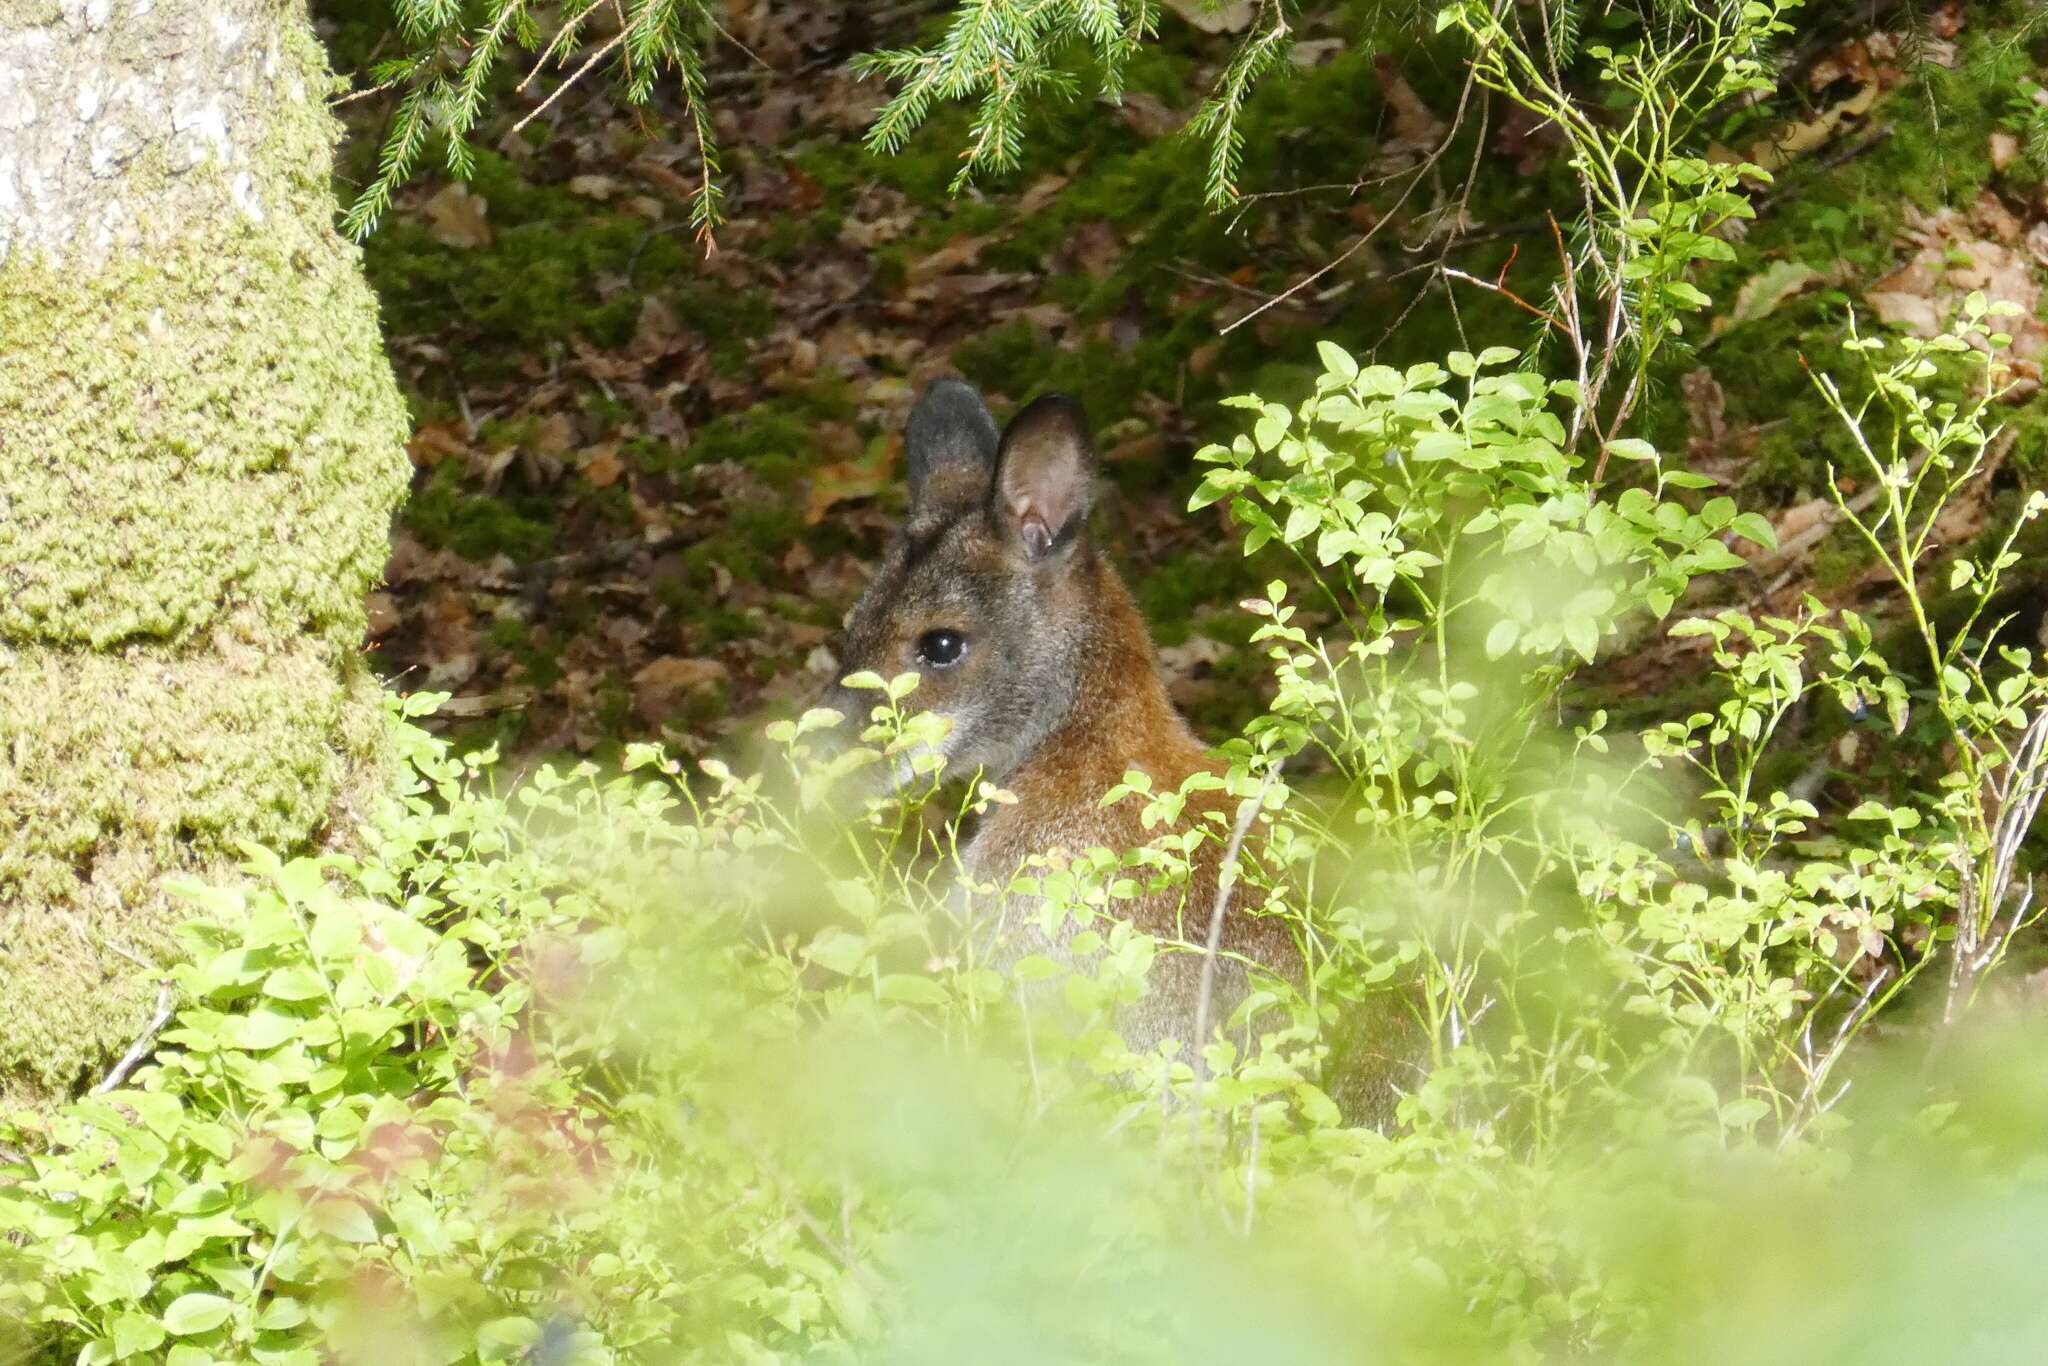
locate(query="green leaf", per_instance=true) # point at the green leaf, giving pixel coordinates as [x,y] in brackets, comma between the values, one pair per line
[837,950]
[501,1337]
[910,989]
[133,1332]
[1300,522]
[1740,1114]
[1754,528]
[264,1029]
[342,1219]
[1583,635]
[199,1198]
[1337,361]
[196,1313]
[1631,448]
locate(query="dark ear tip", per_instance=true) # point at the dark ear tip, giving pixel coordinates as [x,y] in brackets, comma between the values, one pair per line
[949,400]
[949,422]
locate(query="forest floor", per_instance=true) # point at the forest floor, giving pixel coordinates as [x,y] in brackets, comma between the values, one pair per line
[650,480]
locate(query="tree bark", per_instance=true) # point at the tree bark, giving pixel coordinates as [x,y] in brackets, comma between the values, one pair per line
[200,452]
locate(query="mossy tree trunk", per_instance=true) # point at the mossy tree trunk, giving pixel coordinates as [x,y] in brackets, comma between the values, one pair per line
[200,452]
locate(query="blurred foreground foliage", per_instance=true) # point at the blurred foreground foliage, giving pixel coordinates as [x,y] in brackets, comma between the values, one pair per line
[716,1065]
[660,1066]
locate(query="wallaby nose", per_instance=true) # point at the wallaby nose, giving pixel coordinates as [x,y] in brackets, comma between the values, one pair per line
[853,712]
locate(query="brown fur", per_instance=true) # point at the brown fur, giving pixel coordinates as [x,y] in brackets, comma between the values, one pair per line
[1057,694]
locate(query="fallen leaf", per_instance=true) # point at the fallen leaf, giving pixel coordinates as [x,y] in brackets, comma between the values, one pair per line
[845,480]
[1147,115]
[435,442]
[1796,139]
[675,673]
[1803,517]
[1761,294]
[1041,192]
[598,187]
[459,219]
[959,252]
[1313,52]
[2004,147]
[657,333]
[1914,312]
[658,684]
[602,467]
[1417,130]
[1094,247]
[1215,16]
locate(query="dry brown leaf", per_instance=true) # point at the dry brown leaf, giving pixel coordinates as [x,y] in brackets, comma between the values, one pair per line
[677,184]
[459,219]
[554,434]
[845,480]
[1803,517]
[590,186]
[1147,115]
[957,253]
[1215,16]
[656,685]
[1797,139]
[1914,312]
[1040,193]
[1094,247]
[2004,147]
[602,466]
[1313,52]
[435,442]
[657,333]
[1417,129]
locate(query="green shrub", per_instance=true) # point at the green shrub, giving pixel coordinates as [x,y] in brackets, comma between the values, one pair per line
[656,1067]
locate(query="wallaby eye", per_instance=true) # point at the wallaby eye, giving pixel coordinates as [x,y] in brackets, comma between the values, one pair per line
[941,647]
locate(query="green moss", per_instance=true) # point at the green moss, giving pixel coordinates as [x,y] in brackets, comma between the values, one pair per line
[1173,593]
[543,278]
[204,451]
[447,515]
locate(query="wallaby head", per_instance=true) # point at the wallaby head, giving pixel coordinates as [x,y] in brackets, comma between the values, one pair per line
[990,592]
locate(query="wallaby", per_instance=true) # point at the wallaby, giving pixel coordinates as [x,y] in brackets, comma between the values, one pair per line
[1027,641]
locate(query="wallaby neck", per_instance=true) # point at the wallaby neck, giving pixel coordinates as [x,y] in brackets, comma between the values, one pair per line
[1121,717]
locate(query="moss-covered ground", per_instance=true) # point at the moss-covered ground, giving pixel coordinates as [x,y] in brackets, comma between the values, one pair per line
[649,480]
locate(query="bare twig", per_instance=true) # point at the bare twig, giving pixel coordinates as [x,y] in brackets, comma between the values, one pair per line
[1251,1176]
[1498,286]
[578,74]
[1226,883]
[1414,179]
[166,996]
[555,42]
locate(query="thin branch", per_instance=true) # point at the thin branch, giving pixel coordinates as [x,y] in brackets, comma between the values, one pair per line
[166,996]
[561,34]
[578,74]
[1415,179]
[1226,883]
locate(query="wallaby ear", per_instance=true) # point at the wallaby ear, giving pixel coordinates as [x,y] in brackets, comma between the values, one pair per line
[1046,477]
[951,442]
